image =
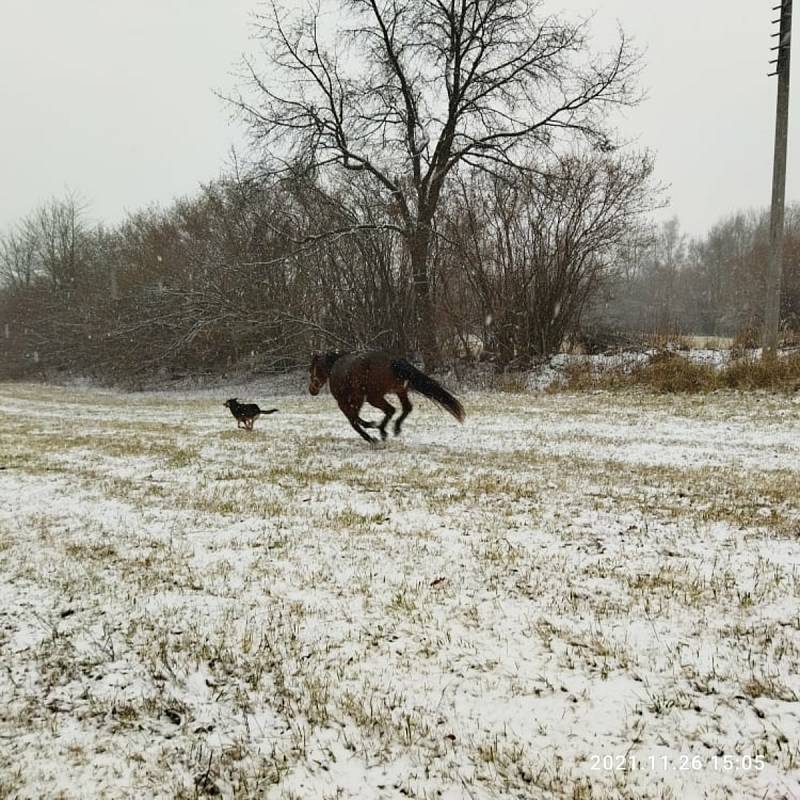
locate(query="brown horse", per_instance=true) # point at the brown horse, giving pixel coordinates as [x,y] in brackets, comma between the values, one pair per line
[356,377]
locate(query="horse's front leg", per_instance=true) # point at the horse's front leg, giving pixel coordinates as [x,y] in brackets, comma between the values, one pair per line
[356,423]
[350,410]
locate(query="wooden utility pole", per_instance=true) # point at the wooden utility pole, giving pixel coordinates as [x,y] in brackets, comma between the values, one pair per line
[775,262]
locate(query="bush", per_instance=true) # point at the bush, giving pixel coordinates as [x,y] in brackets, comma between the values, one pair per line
[782,374]
[668,372]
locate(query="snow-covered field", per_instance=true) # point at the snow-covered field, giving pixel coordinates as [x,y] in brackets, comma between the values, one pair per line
[592,596]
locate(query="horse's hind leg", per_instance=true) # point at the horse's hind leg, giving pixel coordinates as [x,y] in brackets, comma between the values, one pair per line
[388,410]
[406,403]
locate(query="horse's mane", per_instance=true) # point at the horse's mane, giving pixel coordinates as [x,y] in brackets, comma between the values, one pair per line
[330,358]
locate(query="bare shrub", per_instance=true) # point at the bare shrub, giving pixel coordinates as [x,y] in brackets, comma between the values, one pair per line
[669,373]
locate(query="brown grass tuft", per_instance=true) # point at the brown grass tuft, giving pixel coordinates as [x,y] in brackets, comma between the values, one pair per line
[668,373]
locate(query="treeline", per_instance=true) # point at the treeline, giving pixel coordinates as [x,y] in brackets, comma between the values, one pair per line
[247,275]
[668,283]
[250,275]
[255,274]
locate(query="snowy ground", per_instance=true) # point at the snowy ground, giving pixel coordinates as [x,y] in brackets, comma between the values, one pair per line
[586,596]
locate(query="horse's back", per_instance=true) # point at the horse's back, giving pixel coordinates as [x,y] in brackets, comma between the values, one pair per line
[358,371]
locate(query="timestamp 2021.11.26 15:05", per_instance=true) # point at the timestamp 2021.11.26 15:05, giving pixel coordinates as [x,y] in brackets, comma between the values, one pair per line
[686,762]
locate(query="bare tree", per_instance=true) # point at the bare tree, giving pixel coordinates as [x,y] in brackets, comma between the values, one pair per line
[61,242]
[535,247]
[407,90]
[51,243]
[17,258]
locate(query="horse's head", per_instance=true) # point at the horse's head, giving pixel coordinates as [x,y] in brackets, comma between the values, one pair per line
[318,373]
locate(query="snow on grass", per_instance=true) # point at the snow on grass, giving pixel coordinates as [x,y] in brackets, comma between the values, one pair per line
[586,596]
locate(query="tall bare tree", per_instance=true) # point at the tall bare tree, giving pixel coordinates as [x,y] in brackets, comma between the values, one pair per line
[407,90]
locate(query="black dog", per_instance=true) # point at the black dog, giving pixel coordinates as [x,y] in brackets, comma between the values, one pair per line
[245,412]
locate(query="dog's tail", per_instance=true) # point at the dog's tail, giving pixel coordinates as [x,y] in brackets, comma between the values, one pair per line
[269,411]
[427,386]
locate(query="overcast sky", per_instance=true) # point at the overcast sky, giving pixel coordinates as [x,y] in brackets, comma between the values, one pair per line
[114,100]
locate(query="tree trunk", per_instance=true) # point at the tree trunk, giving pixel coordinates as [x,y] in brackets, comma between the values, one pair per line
[419,247]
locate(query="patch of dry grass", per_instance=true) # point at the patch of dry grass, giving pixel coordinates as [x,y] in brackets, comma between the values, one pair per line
[672,373]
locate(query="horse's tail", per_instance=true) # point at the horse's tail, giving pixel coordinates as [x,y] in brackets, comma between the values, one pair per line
[427,386]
